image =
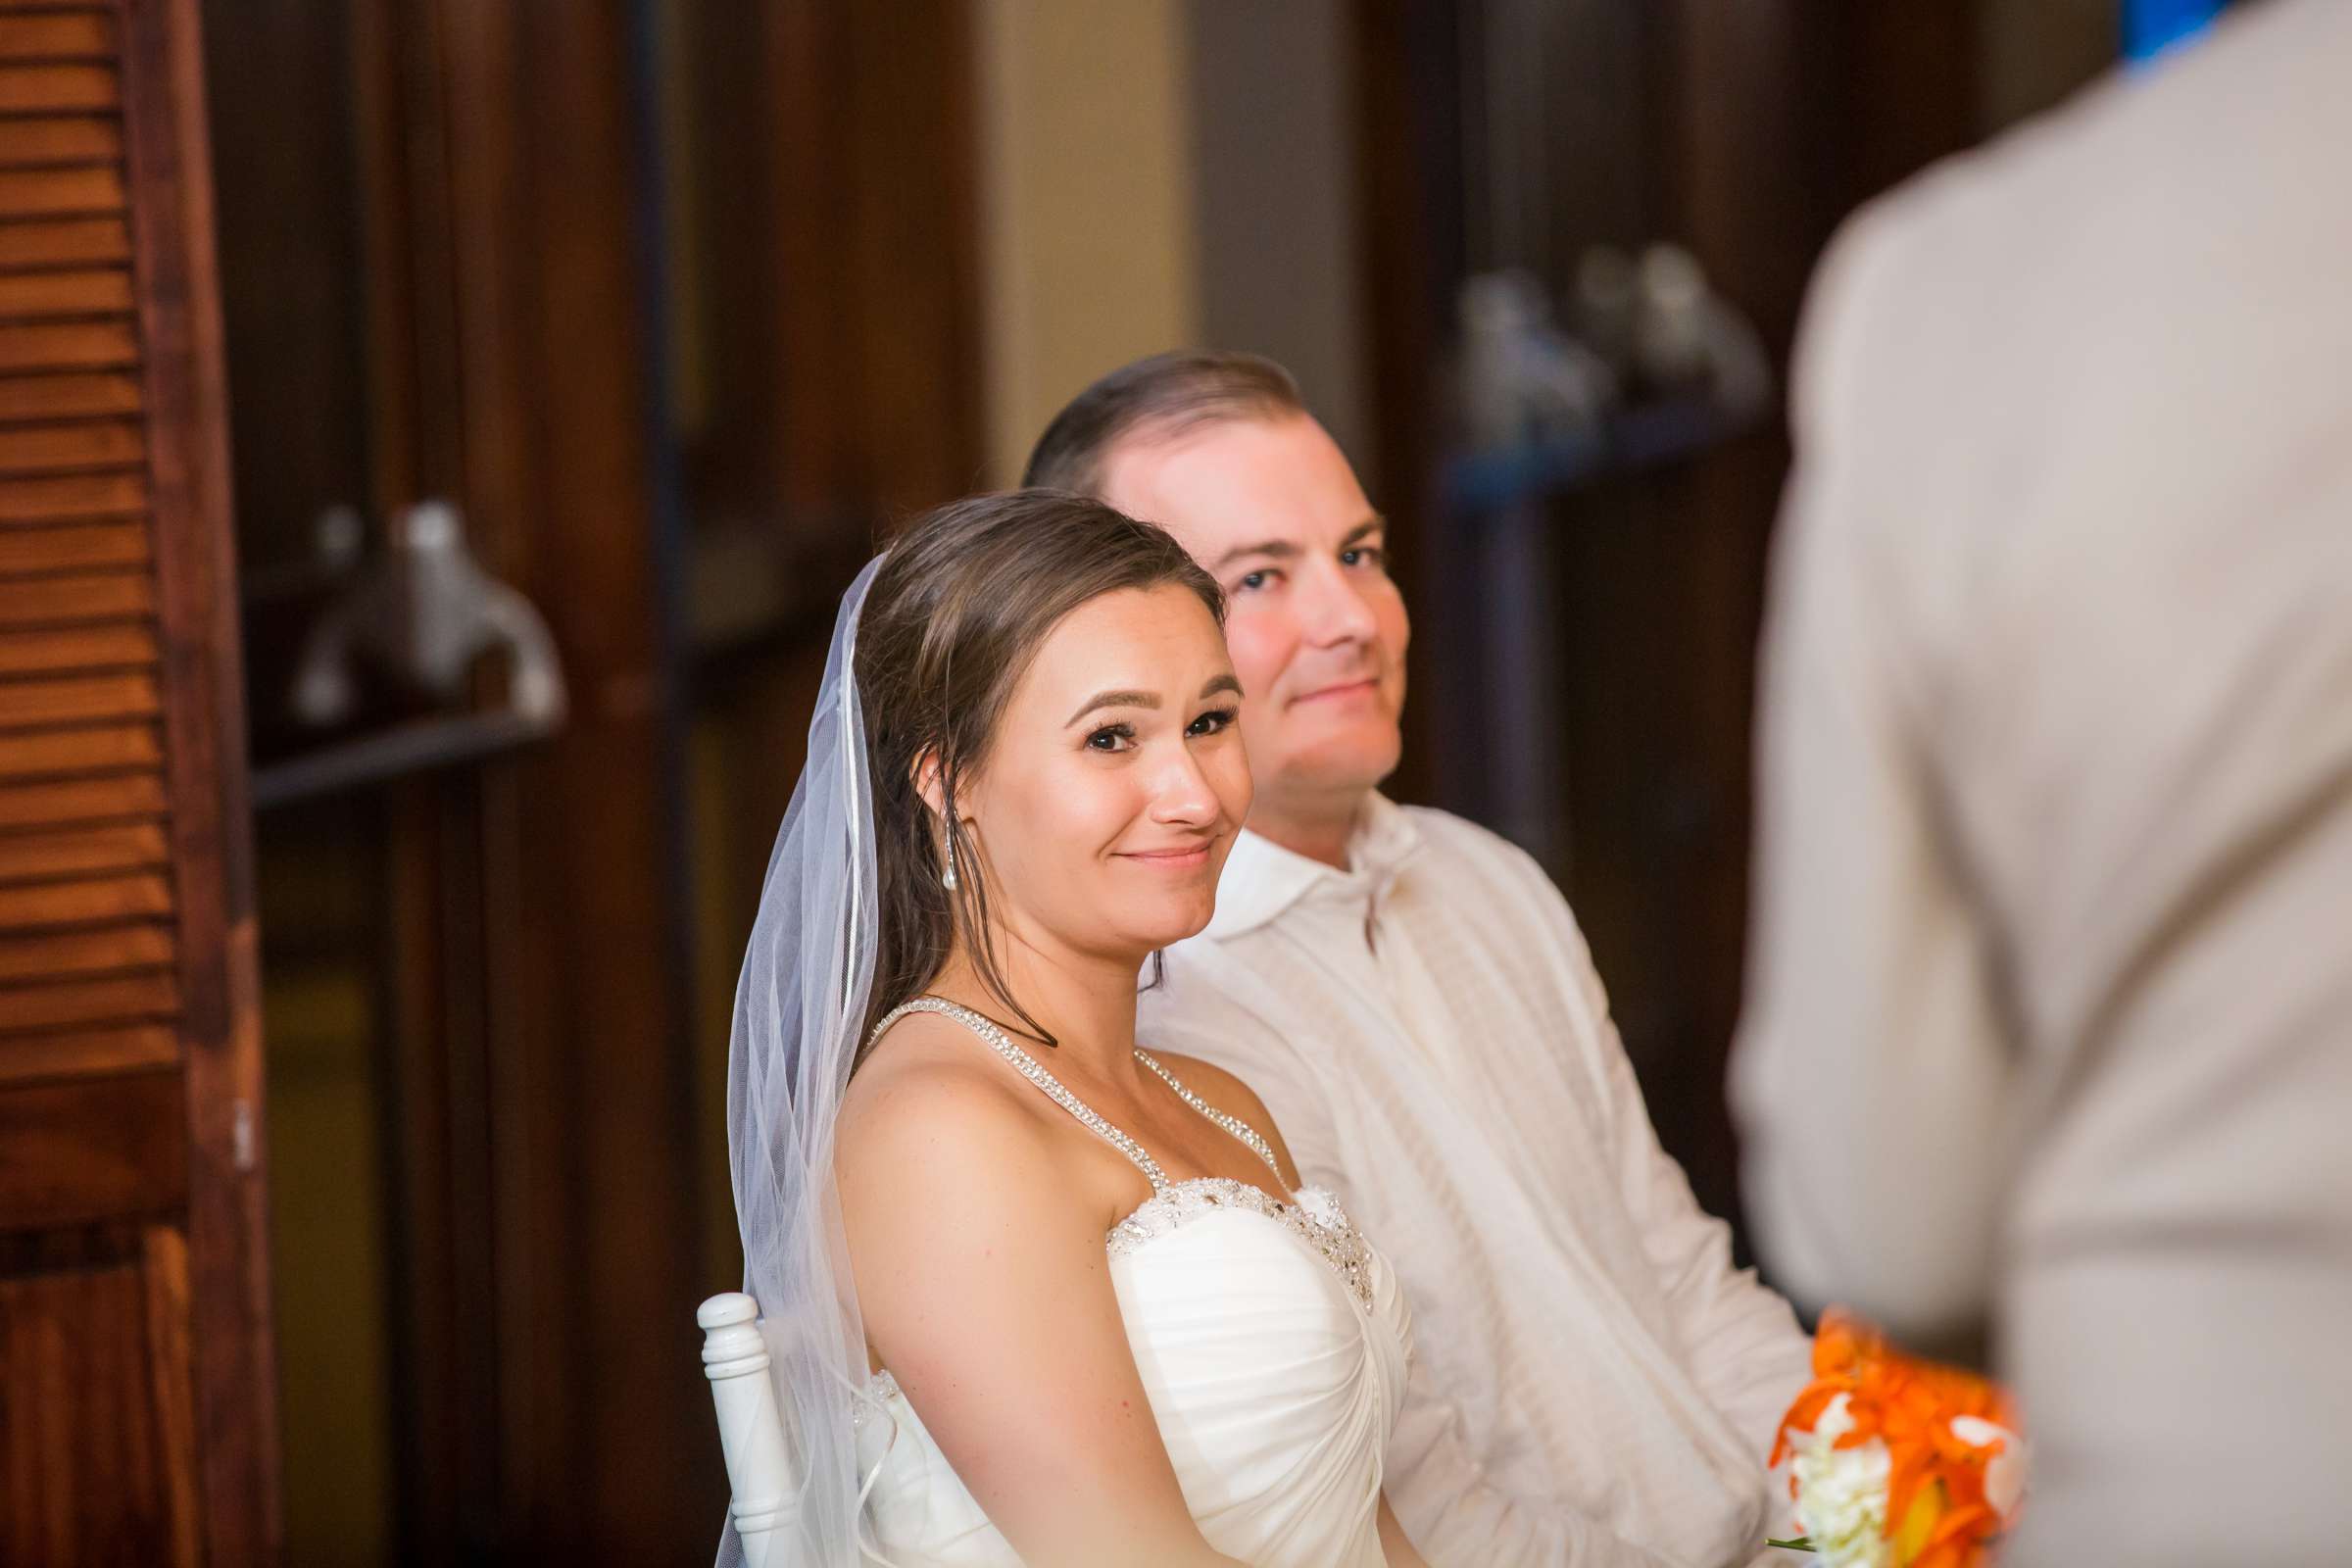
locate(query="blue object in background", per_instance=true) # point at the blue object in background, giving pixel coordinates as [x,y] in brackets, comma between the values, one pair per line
[2152,26]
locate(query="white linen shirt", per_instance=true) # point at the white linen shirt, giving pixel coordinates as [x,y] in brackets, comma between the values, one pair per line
[1593,1382]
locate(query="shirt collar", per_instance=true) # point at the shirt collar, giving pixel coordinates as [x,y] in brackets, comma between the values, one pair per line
[1262,881]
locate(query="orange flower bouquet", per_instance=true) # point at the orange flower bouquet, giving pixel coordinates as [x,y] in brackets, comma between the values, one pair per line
[1894,1463]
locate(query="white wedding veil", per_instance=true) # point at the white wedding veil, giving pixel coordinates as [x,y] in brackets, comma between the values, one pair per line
[800,1005]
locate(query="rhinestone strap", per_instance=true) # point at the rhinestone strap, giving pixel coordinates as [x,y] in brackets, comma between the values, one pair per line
[1232,1124]
[1029,1067]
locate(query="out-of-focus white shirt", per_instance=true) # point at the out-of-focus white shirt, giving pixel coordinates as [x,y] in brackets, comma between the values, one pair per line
[1593,1382]
[2050,1001]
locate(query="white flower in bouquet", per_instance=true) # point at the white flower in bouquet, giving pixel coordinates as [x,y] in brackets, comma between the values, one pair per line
[1841,1493]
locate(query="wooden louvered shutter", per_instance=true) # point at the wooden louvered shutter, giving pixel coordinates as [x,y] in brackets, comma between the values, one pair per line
[136,1403]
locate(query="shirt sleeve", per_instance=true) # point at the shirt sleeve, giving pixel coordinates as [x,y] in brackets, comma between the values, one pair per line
[1740,1341]
[1457,1519]
[1871,1072]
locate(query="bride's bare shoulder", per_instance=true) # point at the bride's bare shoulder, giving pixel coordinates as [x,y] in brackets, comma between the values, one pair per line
[930,1105]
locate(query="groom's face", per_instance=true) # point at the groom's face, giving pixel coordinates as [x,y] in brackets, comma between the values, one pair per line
[1316,626]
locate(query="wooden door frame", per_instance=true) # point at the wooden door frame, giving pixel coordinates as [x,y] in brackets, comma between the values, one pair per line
[234,1412]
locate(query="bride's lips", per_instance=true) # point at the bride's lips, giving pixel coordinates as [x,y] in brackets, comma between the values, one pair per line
[1184,859]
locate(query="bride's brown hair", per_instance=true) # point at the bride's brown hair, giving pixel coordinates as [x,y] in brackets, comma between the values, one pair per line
[964,597]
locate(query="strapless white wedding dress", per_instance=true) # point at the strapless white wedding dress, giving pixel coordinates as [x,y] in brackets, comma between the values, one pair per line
[1272,1342]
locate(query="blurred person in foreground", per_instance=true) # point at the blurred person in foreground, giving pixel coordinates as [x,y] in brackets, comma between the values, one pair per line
[1594,1381]
[2049,1030]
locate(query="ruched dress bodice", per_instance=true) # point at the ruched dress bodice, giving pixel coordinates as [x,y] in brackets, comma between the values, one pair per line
[1272,1342]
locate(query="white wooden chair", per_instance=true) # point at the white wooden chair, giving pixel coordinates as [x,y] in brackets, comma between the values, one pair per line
[750,1430]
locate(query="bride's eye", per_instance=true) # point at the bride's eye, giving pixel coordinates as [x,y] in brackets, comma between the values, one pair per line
[1214,721]
[1111,738]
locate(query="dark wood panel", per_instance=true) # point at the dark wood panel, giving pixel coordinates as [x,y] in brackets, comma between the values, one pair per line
[72,1152]
[65,1004]
[73,497]
[50,89]
[86,699]
[45,905]
[171,1394]
[1408,87]
[104,799]
[84,648]
[68,601]
[94,1377]
[100,950]
[86,1053]
[79,35]
[33,143]
[72,1249]
[128,1045]
[78,346]
[537,236]
[870,284]
[67,397]
[77,192]
[50,855]
[107,748]
[318,397]
[102,292]
[64,242]
[80,444]
[28,552]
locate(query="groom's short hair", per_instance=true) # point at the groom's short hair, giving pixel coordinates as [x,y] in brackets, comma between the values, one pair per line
[1168,393]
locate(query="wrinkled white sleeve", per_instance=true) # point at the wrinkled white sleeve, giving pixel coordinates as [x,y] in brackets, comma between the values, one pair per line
[1742,1344]
[1871,1070]
[1457,1519]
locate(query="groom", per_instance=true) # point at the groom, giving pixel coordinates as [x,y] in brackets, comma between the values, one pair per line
[1593,1382]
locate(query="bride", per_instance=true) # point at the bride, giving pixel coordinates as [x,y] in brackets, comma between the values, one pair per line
[1035,1296]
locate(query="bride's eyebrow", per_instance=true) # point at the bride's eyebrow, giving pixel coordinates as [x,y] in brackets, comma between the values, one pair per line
[1111,700]
[1216,683]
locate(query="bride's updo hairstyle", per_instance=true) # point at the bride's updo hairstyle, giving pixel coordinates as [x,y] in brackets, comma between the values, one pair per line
[963,601]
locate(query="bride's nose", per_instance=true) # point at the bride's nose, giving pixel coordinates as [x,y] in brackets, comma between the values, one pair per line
[1181,795]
